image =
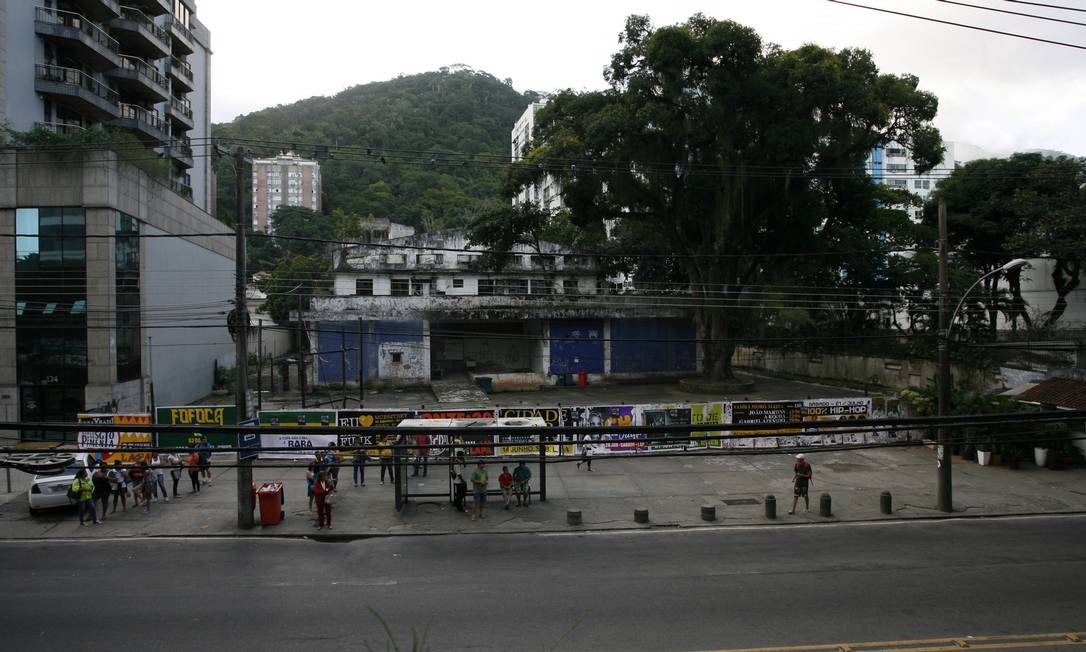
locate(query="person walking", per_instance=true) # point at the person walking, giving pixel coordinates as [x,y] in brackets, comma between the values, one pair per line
[174,460]
[310,478]
[522,475]
[802,475]
[118,483]
[102,489]
[586,455]
[193,464]
[204,449]
[505,482]
[158,477]
[322,491]
[358,462]
[479,481]
[82,492]
[460,493]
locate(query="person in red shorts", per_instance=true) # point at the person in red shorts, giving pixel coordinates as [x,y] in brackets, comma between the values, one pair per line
[801,480]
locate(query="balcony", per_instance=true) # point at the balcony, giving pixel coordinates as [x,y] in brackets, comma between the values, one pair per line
[99,9]
[180,111]
[76,90]
[180,150]
[61,128]
[182,187]
[146,124]
[181,75]
[151,7]
[98,50]
[140,35]
[135,77]
[182,37]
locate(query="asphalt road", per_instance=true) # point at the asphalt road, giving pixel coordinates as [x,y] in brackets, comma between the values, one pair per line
[656,590]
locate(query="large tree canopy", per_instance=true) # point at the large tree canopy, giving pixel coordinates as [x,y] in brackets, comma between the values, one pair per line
[1026,205]
[728,152]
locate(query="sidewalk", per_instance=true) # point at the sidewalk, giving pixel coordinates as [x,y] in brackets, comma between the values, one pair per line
[672,489]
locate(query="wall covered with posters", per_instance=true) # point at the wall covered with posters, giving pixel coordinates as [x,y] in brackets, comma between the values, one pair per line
[119,441]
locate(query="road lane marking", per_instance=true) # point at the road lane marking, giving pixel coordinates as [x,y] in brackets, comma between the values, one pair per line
[1007,642]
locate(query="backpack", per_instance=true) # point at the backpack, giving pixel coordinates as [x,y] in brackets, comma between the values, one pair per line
[73,494]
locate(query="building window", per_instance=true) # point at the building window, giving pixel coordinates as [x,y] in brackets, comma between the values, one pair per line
[363,287]
[127,262]
[487,287]
[896,167]
[895,151]
[397,357]
[458,283]
[439,259]
[542,286]
[898,183]
[517,287]
[569,286]
[401,287]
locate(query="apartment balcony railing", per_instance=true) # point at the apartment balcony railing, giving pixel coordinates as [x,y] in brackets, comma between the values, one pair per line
[151,7]
[182,37]
[136,77]
[145,123]
[76,89]
[140,34]
[99,50]
[99,9]
[60,128]
[181,74]
[180,150]
[180,111]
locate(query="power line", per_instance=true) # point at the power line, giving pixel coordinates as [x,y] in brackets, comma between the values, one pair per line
[1013,13]
[966,26]
[1048,6]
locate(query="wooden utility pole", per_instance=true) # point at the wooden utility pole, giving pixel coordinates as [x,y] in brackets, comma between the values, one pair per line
[942,456]
[241,341]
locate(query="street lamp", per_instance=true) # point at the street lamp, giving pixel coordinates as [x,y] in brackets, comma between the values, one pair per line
[945,487]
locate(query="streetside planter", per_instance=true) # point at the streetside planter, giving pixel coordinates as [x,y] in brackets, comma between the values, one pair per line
[1040,456]
[984,458]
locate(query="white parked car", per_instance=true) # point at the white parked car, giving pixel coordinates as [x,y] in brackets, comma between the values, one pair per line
[51,490]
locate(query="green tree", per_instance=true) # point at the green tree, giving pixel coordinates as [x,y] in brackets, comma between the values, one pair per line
[293,282]
[1022,206]
[727,152]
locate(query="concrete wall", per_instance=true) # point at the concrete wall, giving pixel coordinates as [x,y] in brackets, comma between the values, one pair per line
[22,49]
[859,370]
[203,188]
[383,339]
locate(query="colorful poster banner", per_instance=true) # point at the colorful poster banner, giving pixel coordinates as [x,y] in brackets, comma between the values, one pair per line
[303,443]
[707,413]
[606,415]
[755,412]
[835,409]
[371,419]
[196,415]
[668,415]
[553,416]
[116,440]
[441,440]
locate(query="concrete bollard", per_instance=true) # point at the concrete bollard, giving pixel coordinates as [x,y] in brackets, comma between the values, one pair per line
[641,515]
[708,512]
[771,506]
[886,505]
[573,516]
[824,506]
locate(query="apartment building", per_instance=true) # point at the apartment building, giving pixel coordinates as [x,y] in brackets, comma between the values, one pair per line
[893,166]
[546,192]
[141,66]
[423,307]
[286,180]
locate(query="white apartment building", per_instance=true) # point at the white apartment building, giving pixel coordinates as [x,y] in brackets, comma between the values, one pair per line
[548,191]
[893,166]
[286,180]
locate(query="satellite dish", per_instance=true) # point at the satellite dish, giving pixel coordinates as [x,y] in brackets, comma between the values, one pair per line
[39,463]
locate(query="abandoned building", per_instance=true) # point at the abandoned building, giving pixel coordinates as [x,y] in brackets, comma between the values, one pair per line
[424,308]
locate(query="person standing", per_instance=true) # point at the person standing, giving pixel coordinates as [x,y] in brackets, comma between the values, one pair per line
[505,482]
[521,477]
[460,492]
[102,490]
[158,478]
[422,454]
[479,482]
[118,483]
[358,462]
[148,486]
[135,480]
[82,492]
[386,464]
[322,489]
[310,478]
[332,460]
[204,449]
[802,475]
[193,464]
[174,460]
[586,455]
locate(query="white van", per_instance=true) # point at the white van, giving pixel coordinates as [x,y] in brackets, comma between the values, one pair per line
[51,490]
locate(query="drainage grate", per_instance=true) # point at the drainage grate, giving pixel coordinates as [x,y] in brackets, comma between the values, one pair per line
[741,501]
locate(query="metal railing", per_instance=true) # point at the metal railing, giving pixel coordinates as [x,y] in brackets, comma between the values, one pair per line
[182,67]
[183,106]
[182,145]
[74,77]
[137,16]
[48,16]
[60,128]
[143,69]
[140,114]
[183,31]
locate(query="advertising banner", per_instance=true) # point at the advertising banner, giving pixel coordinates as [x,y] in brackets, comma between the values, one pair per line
[835,409]
[371,419]
[707,413]
[305,442]
[553,416]
[753,412]
[116,440]
[887,408]
[442,441]
[605,415]
[196,415]
[667,415]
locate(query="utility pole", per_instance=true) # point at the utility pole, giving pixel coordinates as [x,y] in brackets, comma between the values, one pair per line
[260,365]
[301,353]
[942,456]
[241,351]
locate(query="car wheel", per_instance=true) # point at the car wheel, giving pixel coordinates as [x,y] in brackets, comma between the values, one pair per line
[34,512]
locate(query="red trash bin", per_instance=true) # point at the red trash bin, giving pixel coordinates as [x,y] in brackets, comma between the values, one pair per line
[582,378]
[269,496]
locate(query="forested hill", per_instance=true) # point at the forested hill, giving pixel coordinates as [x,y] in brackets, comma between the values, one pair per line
[462,111]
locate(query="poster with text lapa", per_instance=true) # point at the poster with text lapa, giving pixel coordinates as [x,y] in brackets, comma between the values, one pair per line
[305,441]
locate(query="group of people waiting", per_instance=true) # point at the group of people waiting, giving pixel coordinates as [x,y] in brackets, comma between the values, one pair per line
[144,481]
[515,484]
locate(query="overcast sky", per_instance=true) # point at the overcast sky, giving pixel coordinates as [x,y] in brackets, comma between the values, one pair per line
[995,92]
